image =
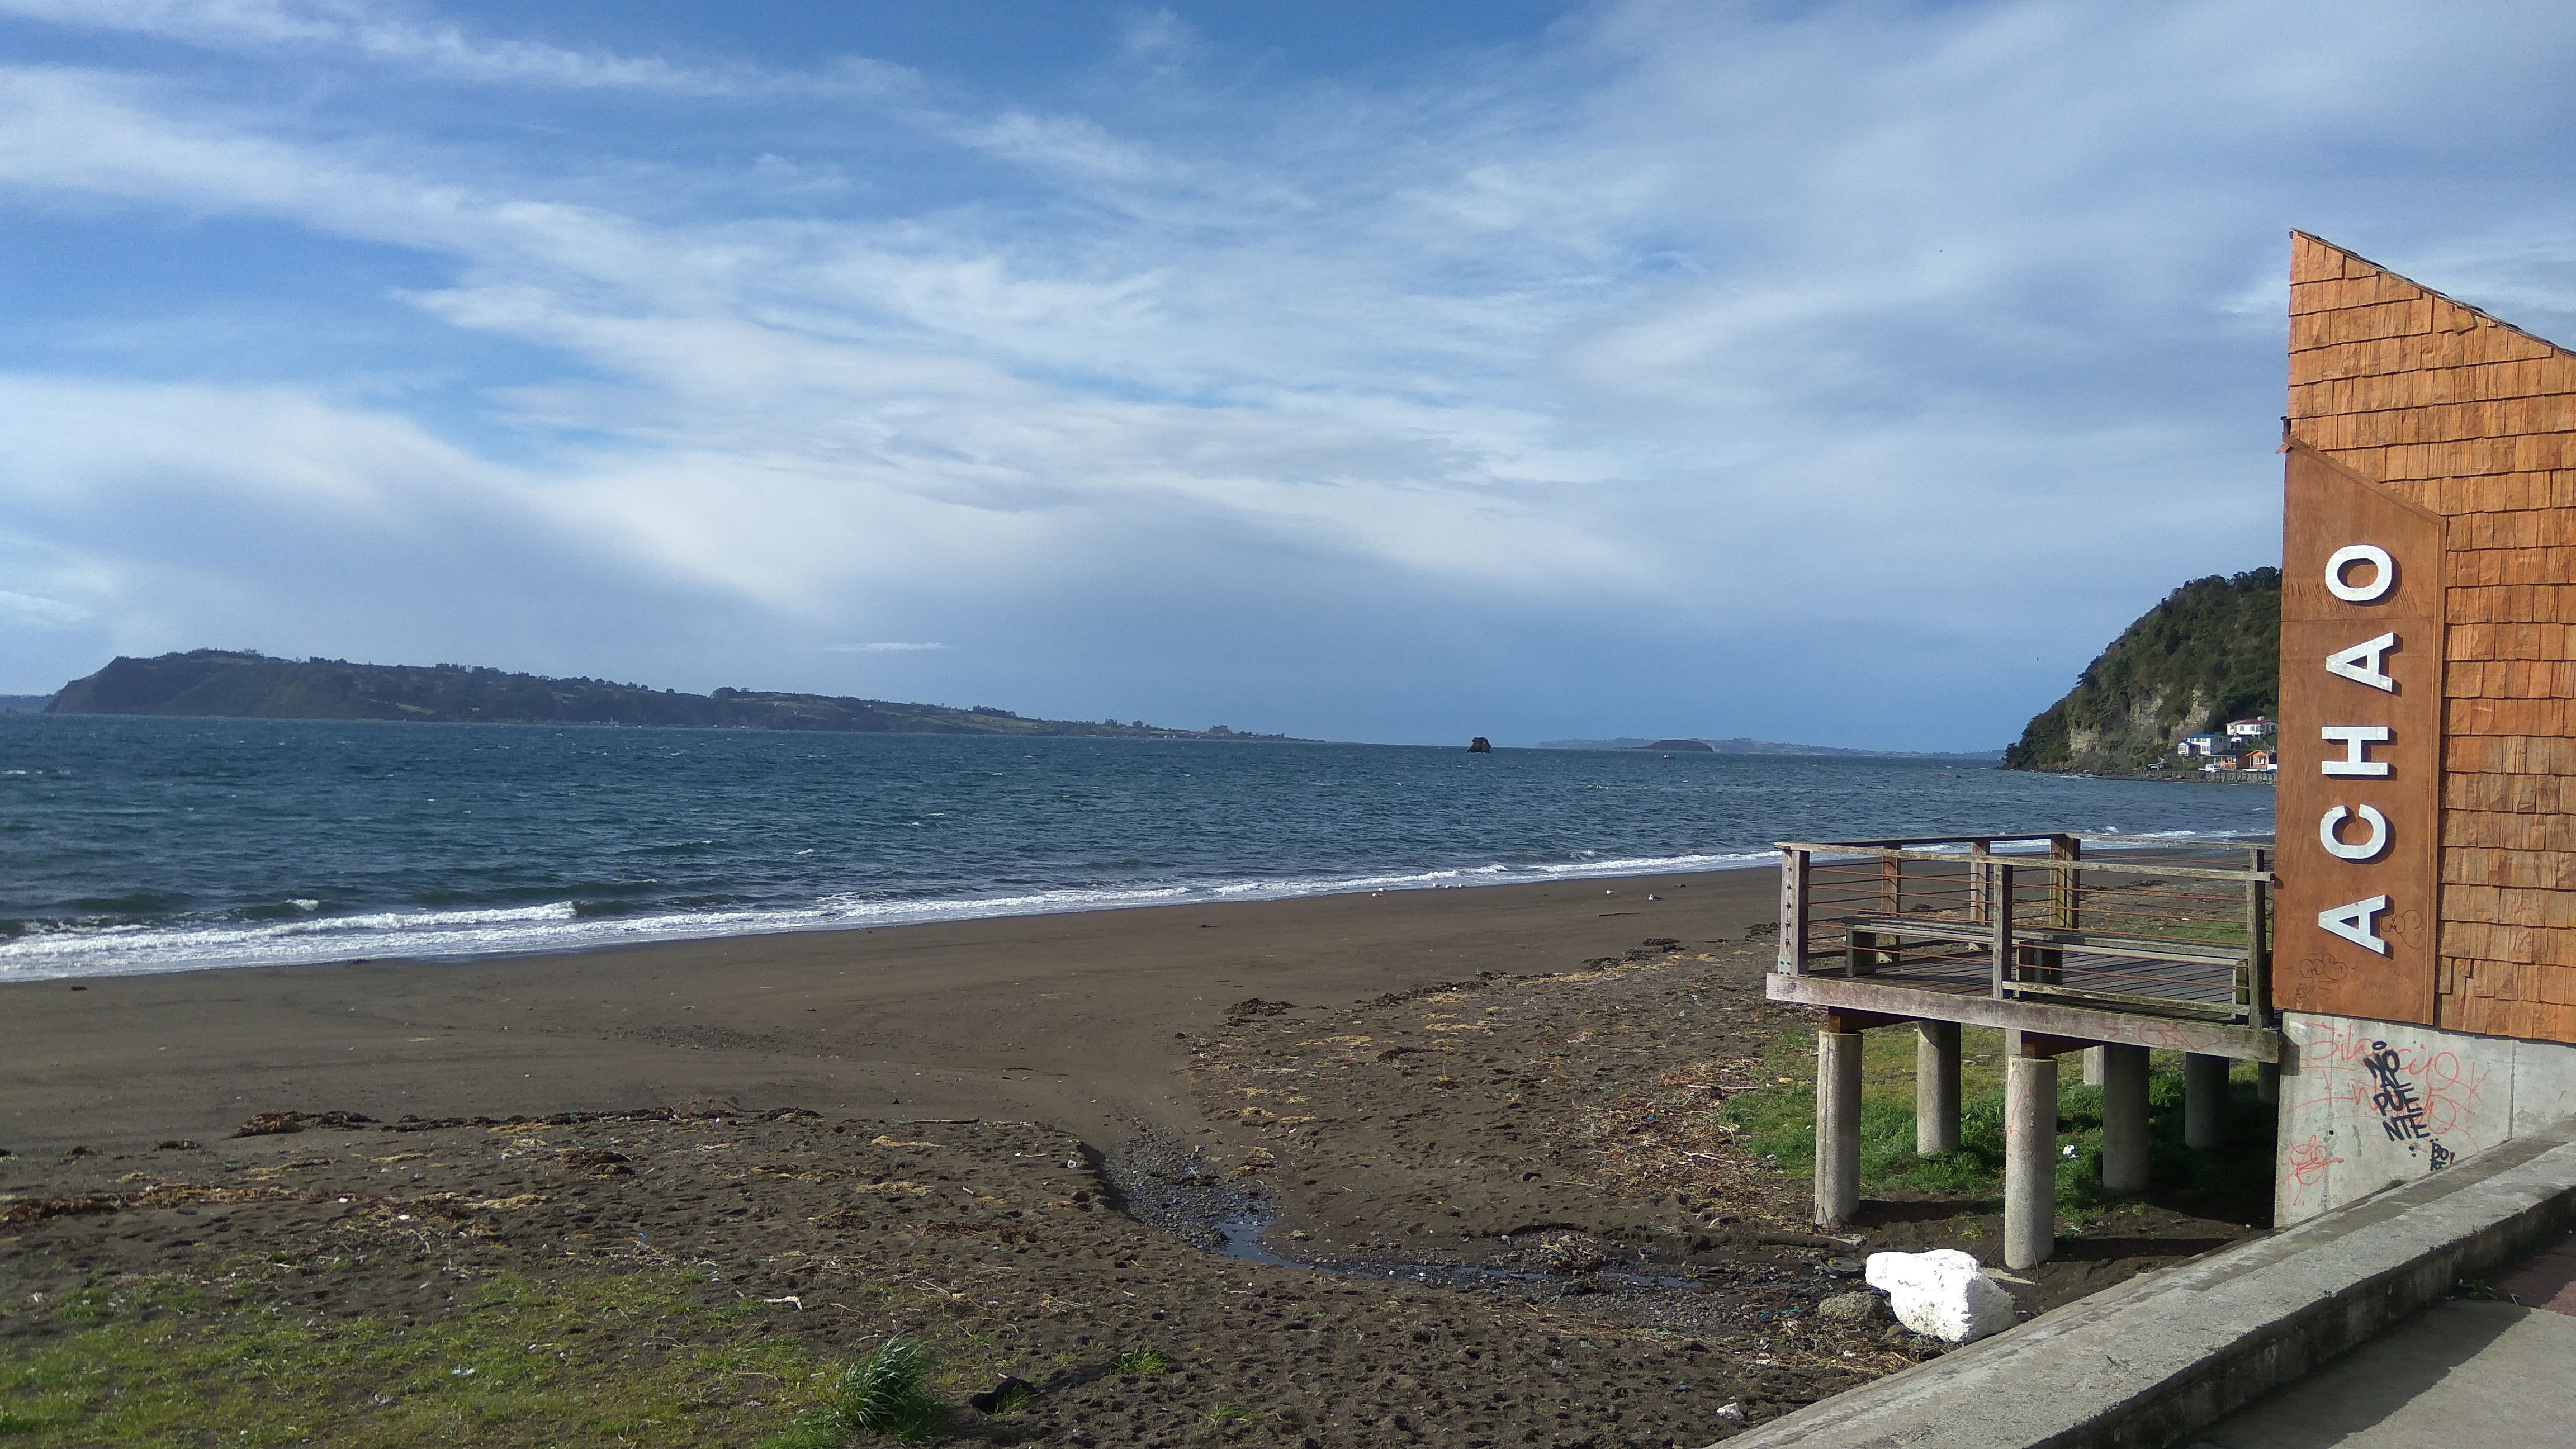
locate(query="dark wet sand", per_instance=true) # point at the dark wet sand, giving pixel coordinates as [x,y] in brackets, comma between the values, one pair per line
[1071,1020]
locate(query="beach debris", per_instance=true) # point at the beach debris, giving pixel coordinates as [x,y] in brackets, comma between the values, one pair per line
[1855,1308]
[1255,1006]
[271,1124]
[1003,1397]
[174,1144]
[1730,1410]
[1569,1256]
[1942,1294]
[596,1161]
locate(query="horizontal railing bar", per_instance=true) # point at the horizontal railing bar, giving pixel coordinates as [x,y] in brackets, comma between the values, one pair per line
[2095,866]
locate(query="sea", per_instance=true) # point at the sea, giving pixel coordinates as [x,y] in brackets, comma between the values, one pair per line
[132,845]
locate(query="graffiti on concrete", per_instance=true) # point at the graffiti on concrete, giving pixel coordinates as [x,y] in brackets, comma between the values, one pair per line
[2303,1166]
[2393,1105]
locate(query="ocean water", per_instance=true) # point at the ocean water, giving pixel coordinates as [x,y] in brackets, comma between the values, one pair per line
[137,845]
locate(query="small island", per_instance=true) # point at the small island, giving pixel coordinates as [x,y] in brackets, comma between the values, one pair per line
[244,684]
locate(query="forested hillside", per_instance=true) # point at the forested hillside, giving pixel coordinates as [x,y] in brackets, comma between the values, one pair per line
[2211,652]
[245,684]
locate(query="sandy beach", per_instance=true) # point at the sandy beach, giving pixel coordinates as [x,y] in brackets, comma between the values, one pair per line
[1073,1020]
[1429,1167]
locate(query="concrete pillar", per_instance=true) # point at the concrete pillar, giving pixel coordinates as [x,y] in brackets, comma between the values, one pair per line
[2124,1119]
[1936,1087]
[2030,1160]
[2267,1083]
[2204,1101]
[2093,1066]
[1837,1127]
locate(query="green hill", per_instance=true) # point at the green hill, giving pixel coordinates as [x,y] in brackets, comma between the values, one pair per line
[2211,652]
[239,684]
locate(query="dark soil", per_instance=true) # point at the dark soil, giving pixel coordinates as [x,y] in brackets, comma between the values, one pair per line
[1502,1211]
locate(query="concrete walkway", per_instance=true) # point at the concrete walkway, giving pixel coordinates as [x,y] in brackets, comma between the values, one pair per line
[2190,1353]
[2463,1371]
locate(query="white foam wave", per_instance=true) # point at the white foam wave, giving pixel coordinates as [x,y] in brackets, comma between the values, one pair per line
[133,950]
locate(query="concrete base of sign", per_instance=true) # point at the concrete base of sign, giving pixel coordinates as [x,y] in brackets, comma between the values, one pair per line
[2367,1104]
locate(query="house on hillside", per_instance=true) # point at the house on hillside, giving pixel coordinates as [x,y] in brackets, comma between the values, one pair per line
[2198,745]
[2250,729]
[2258,760]
[2222,762]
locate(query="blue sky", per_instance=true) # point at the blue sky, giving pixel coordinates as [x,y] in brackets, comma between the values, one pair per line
[1841,373]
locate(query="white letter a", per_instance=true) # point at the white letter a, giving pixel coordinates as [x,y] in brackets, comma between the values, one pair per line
[2362,664]
[2352,922]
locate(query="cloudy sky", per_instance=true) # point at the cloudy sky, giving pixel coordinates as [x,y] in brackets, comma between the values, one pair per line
[1356,368]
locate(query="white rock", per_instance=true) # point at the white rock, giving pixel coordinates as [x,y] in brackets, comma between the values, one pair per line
[1941,1293]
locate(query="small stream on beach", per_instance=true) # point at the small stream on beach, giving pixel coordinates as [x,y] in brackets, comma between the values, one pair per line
[1167,1187]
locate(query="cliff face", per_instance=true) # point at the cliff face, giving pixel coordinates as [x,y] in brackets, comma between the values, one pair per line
[243,685]
[2211,652]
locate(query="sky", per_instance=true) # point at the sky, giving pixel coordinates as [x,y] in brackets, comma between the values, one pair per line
[1847,374]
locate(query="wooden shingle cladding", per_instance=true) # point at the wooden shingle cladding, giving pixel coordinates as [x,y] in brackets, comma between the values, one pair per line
[2475,420]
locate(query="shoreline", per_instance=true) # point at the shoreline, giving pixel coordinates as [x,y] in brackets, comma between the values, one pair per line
[1080,1018]
[615,933]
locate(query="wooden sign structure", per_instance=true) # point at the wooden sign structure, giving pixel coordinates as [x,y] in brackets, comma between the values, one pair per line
[2359,819]
[2424,430]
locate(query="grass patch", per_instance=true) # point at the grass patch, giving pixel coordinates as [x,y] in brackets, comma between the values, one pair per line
[1146,1360]
[1779,1121]
[885,1393]
[581,1359]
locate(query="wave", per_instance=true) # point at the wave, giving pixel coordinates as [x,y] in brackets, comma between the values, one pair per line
[136,949]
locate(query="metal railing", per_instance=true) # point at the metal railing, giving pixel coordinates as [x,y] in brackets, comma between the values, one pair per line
[2182,927]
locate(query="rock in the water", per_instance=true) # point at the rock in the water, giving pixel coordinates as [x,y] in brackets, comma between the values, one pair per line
[1853,1308]
[1941,1293]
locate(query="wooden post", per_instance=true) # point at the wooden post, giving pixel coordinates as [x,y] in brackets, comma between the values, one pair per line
[2258,946]
[1936,1087]
[2030,1160]
[1793,912]
[2000,907]
[2065,884]
[1979,851]
[1891,881]
[1837,1127]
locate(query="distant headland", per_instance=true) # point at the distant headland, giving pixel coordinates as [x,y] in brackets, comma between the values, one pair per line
[245,684]
[1742,746]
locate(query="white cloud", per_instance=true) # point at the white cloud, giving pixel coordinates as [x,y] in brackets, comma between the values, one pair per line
[40,611]
[402,36]
[1815,323]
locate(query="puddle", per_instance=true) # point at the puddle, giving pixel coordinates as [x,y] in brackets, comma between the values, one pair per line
[1243,1234]
[1164,1184]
